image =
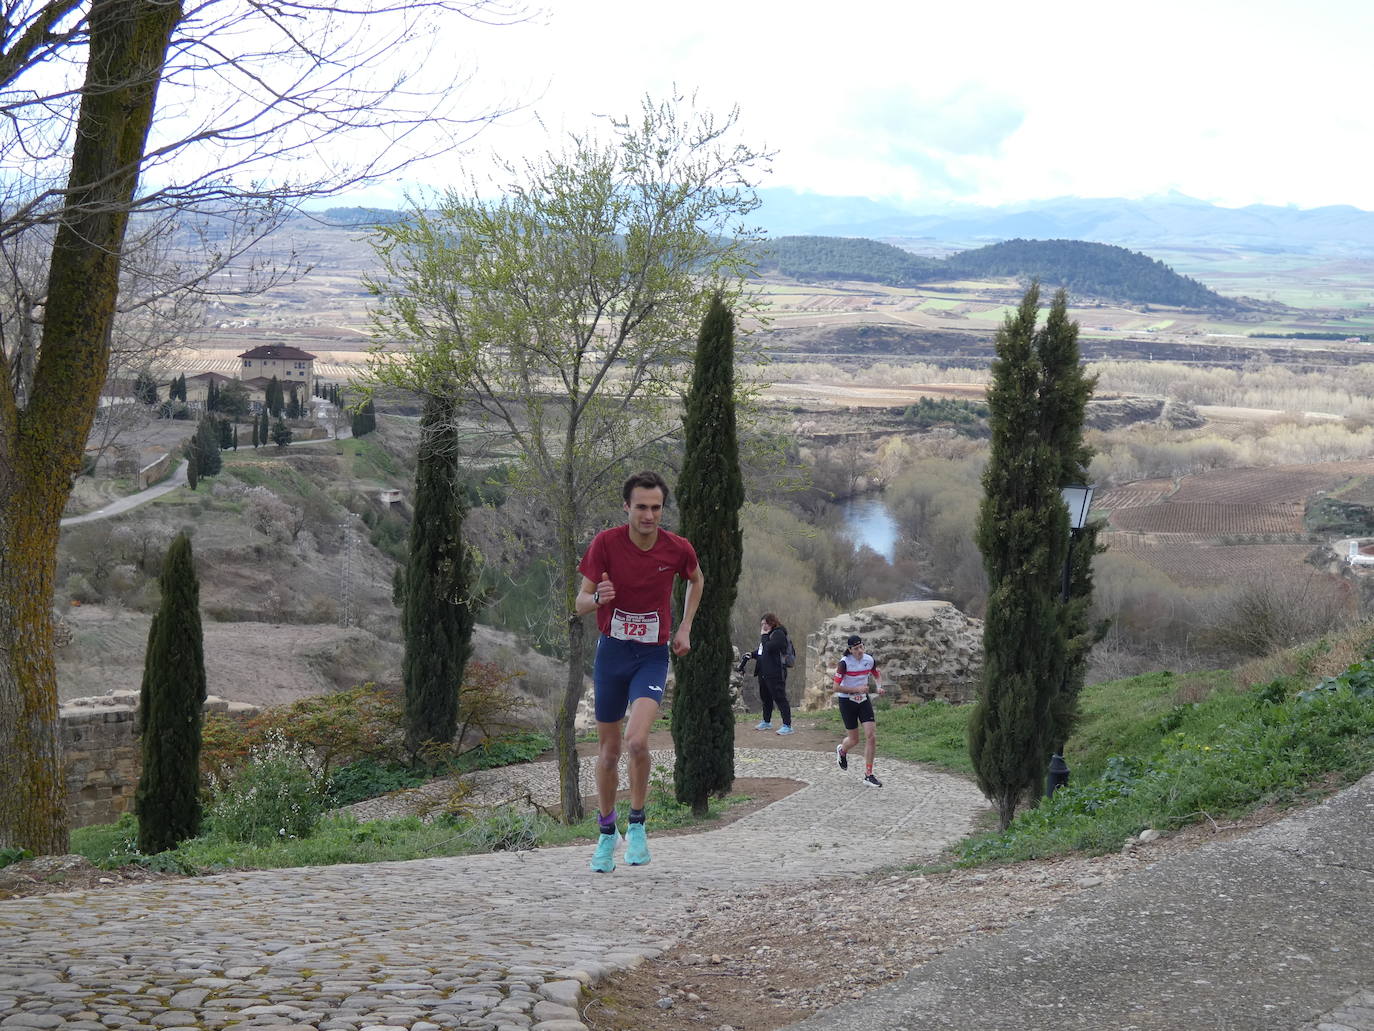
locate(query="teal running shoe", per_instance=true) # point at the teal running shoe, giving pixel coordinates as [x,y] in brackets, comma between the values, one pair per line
[763,725]
[785,729]
[637,845]
[603,861]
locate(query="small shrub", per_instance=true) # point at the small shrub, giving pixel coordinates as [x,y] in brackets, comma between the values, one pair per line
[170,861]
[109,845]
[13,855]
[277,793]
[341,728]
[368,778]
[506,829]
[505,750]
[79,589]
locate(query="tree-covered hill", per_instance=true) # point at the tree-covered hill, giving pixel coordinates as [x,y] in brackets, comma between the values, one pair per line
[1087,269]
[844,257]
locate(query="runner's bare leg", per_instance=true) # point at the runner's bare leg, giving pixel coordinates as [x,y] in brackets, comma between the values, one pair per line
[642,715]
[608,739]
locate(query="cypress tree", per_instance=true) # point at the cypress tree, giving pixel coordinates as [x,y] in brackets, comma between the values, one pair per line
[235,443]
[192,470]
[1035,404]
[171,704]
[274,398]
[207,446]
[1064,400]
[226,434]
[263,434]
[364,419]
[439,607]
[710,496]
[281,433]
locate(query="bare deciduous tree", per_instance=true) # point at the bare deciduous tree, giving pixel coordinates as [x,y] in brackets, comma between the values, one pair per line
[244,94]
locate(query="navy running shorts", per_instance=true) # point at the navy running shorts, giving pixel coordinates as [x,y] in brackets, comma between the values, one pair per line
[624,672]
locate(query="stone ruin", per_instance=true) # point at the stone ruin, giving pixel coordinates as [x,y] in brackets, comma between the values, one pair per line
[925,650]
[101,755]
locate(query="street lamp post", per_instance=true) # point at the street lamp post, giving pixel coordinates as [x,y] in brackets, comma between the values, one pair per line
[1078,499]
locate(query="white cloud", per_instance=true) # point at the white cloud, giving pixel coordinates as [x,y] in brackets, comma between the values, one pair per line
[1234,101]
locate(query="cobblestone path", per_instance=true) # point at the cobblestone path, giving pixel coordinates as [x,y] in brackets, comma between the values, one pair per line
[478,943]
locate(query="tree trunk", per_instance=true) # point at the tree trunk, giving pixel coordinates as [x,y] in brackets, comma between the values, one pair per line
[35,816]
[41,443]
[1006,809]
[567,580]
[565,730]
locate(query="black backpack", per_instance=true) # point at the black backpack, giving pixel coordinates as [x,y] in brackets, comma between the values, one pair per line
[789,656]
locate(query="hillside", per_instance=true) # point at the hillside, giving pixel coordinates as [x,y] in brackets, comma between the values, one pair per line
[1086,269]
[841,257]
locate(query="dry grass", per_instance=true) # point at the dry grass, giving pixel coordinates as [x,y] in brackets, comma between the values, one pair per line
[1336,653]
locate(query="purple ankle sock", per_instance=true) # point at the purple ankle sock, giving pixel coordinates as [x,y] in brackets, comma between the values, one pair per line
[607,823]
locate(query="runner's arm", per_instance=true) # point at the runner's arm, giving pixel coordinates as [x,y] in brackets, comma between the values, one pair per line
[682,640]
[587,595]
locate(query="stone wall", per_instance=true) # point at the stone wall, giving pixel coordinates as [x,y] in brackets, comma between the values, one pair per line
[101,755]
[925,650]
[155,471]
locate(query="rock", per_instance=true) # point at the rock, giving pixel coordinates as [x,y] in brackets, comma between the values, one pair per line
[665,1003]
[926,650]
[1147,835]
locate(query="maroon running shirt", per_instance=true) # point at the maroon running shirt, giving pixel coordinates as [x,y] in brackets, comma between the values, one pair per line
[643,582]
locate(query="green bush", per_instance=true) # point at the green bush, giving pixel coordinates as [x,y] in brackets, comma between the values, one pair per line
[506,829]
[277,793]
[506,750]
[13,855]
[368,778]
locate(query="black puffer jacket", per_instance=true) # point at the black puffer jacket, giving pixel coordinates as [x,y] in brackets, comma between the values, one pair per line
[772,646]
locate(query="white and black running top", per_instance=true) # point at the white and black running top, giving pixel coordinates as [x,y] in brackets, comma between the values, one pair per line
[852,675]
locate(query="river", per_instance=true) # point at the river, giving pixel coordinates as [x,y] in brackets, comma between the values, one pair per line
[867,520]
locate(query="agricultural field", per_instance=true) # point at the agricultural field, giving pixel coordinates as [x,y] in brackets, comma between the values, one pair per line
[1211,528]
[1210,520]
[1189,562]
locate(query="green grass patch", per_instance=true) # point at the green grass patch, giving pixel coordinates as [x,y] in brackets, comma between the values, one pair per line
[935,733]
[343,839]
[1221,756]
[1127,717]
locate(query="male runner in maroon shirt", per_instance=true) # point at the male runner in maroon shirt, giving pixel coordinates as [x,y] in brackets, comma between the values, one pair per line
[627,577]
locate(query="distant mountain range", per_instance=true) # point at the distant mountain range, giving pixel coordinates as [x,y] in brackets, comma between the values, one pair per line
[1169,221]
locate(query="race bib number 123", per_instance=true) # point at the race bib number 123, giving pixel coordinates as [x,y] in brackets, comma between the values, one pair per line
[635,626]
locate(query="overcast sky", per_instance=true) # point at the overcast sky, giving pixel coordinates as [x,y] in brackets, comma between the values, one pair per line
[981,101]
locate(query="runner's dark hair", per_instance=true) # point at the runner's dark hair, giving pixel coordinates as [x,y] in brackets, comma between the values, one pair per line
[648,480]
